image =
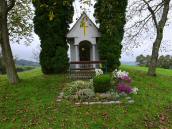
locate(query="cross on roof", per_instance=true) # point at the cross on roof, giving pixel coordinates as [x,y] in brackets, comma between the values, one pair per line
[84,24]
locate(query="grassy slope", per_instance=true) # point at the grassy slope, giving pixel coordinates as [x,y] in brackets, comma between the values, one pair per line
[32,104]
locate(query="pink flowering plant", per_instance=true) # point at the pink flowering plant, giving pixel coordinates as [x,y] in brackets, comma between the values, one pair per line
[124,88]
[123,82]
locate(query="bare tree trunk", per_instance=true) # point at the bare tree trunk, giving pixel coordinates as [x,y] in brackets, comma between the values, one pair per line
[5,44]
[160,27]
[155,54]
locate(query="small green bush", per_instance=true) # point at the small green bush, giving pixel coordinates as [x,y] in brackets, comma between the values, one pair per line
[102,83]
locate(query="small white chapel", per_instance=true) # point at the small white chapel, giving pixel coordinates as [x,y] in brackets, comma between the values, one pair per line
[82,38]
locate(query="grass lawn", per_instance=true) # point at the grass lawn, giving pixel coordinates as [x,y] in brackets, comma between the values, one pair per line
[32,104]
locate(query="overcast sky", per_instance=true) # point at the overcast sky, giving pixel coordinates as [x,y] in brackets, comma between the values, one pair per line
[26,52]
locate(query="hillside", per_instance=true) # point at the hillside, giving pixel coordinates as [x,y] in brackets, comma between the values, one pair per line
[23,62]
[32,104]
[130,63]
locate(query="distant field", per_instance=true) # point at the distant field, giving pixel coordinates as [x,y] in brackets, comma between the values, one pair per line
[160,71]
[25,68]
[32,104]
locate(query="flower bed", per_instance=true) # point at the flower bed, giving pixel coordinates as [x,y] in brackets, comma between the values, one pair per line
[102,89]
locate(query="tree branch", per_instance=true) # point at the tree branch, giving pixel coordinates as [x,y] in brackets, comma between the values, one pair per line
[146,19]
[165,13]
[152,13]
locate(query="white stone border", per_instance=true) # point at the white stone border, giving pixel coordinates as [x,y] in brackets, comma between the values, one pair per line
[94,103]
[60,97]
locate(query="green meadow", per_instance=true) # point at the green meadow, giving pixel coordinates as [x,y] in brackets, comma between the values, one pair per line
[32,104]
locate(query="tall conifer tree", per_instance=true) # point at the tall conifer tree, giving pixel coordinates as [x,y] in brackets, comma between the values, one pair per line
[51,22]
[110,14]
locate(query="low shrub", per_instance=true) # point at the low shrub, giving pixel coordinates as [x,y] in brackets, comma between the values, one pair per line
[85,94]
[73,87]
[102,83]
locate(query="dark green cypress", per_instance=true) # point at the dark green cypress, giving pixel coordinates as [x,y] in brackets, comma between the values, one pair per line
[51,24]
[110,14]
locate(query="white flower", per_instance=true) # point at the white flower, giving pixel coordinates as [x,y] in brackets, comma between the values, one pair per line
[135,90]
[98,72]
[119,74]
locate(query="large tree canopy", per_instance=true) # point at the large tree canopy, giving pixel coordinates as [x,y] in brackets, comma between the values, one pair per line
[110,14]
[52,19]
[20,23]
